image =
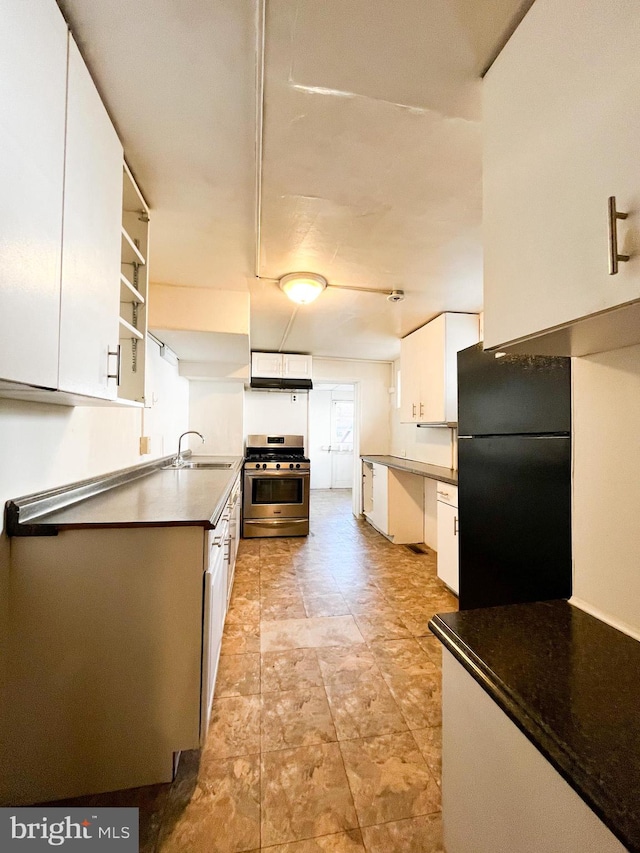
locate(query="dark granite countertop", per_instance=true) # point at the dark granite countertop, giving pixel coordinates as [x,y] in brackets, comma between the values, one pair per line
[423,469]
[145,495]
[571,683]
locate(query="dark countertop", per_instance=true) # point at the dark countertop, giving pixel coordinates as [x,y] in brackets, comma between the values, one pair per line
[423,469]
[141,496]
[571,683]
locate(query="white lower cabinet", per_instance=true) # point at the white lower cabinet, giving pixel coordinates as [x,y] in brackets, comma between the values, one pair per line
[214,612]
[379,515]
[393,502]
[498,792]
[447,519]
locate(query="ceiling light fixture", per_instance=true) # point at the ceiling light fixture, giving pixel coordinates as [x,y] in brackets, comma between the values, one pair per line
[302,287]
[305,287]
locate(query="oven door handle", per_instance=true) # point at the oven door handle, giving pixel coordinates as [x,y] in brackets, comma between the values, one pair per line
[275,473]
[275,522]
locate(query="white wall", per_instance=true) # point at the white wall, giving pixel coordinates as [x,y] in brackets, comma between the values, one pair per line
[42,445]
[435,446]
[606,485]
[373,380]
[276,412]
[216,411]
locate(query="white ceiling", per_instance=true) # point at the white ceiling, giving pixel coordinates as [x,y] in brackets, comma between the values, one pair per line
[371,172]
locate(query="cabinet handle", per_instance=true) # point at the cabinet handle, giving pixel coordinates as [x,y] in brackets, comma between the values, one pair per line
[444,494]
[614,215]
[117,353]
[413,410]
[421,410]
[455,525]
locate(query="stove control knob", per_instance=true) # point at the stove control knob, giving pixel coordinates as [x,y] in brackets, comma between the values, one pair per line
[264,466]
[257,464]
[277,464]
[297,464]
[290,464]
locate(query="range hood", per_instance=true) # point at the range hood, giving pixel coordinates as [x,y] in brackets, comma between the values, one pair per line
[269,383]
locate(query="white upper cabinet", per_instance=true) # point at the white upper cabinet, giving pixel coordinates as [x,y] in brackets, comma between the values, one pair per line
[411,362]
[276,365]
[33,68]
[72,304]
[561,124]
[428,368]
[296,366]
[90,296]
[266,364]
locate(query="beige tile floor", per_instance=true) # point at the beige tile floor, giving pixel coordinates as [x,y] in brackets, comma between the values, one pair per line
[325,732]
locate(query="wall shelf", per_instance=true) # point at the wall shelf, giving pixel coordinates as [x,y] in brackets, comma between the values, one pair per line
[134,291]
[128,293]
[131,254]
[130,331]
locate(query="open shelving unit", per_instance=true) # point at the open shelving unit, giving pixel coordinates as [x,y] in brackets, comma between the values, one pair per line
[134,289]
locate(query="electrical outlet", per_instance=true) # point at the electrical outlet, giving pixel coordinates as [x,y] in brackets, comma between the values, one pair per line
[403,453]
[145,444]
[294,398]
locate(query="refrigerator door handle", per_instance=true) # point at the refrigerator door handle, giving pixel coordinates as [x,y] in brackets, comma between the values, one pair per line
[455,525]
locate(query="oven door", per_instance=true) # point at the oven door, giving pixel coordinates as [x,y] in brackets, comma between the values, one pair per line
[276,494]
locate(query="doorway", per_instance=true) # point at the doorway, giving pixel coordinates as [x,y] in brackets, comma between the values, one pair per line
[331,435]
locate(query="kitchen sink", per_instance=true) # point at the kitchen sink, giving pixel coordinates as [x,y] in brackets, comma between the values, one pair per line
[219,465]
[215,466]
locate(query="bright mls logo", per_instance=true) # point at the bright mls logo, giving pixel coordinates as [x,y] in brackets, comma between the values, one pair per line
[70,829]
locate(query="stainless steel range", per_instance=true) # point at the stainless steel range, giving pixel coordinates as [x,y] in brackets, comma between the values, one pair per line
[276,487]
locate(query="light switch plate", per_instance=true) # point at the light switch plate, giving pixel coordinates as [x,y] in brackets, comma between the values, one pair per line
[145,444]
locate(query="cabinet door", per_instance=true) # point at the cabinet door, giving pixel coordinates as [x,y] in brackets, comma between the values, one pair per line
[33,71]
[410,368]
[367,488]
[90,297]
[448,545]
[296,366]
[432,376]
[214,610]
[266,364]
[461,331]
[380,513]
[561,127]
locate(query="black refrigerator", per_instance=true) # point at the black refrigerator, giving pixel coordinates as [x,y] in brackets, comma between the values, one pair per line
[514,478]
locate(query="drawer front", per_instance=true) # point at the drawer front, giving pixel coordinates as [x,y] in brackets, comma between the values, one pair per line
[447,494]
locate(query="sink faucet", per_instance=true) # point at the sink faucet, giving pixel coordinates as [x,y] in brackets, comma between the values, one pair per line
[178,460]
